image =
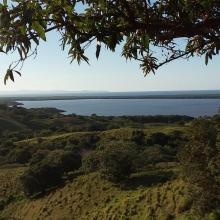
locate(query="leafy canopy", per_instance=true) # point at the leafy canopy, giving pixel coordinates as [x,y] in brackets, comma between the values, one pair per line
[152,32]
[200,161]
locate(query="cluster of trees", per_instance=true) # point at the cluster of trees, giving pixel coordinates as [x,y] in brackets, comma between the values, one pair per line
[114,159]
[44,121]
[47,169]
[115,162]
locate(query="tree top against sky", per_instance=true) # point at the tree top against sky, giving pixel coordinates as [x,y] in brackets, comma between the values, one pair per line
[152,32]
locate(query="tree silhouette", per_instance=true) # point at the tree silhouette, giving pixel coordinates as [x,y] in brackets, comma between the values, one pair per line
[152,32]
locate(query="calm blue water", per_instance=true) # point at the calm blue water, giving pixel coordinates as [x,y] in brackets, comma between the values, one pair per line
[116,107]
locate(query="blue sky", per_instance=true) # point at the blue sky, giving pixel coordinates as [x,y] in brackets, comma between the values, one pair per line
[51,70]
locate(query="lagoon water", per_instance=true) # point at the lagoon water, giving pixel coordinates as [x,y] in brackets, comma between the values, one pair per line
[116,107]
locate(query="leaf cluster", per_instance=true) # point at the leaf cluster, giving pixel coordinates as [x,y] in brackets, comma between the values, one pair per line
[176,29]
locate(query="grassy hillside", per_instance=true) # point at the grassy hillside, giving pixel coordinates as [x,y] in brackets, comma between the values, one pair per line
[91,197]
[124,134]
[150,194]
[57,167]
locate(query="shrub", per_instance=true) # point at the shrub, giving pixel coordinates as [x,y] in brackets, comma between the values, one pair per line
[153,154]
[65,160]
[177,139]
[138,137]
[19,155]
[5,148]
[91,161]
[158,138]
[38,156]
[117,163]
[47,169]
[81,143]
[40,177]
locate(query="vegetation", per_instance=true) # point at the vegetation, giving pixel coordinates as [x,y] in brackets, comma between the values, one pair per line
[146,29]
[200,161]
[117,162]
[47,171]
[153,167]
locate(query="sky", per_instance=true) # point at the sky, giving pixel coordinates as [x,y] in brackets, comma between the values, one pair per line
[51,70]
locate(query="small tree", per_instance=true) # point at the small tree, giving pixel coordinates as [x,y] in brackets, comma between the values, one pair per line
[38,156]
[47,170]
[19,155]
[40,177]
[138,137]
[65,160]
[91,161]
[117,163]
[158,138]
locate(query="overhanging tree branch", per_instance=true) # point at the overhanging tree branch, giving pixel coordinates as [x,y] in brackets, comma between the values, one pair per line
[138,25]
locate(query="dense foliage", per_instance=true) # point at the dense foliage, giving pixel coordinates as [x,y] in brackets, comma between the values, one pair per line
[46,170]
[201,162]
[146,29]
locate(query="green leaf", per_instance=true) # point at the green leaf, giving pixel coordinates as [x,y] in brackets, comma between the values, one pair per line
[85,59]
[98,49]
[8,75]
[34,38]
[39,29]
[5,2]
[206,59]
[20,53]
[1,50]
[22,29]
[17,72]
[11,75]
[102,4]
[145,40]
[8,48]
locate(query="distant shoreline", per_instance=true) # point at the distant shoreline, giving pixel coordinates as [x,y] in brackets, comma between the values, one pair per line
[130,105]
[46,98]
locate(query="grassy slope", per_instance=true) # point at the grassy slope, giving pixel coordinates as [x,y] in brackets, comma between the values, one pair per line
[9,184]
[10,189]
[91,197]
[121,133]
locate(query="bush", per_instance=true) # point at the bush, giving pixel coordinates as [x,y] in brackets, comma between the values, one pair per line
[65,160]
[47,170]
[38,156]
[158,138]
[117,163]
[6,146]
[81,143]
[152,155]
[91,161]
[177,139]
[115,160]
[19,155]
[138,137]
[40,177]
